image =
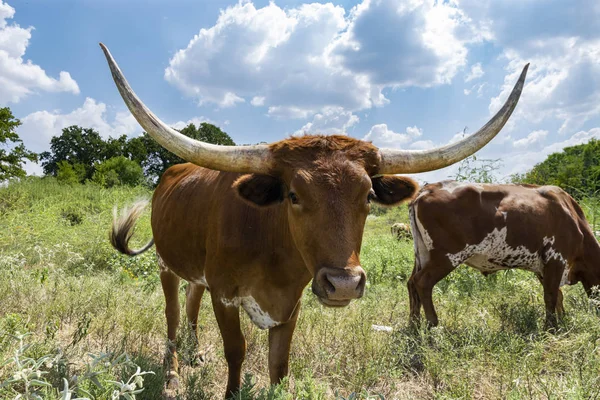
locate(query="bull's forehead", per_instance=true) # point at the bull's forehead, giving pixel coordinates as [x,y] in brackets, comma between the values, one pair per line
[333,174]
[322,153]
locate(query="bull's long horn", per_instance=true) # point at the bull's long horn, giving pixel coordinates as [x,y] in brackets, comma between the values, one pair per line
[244,159]
[407,161]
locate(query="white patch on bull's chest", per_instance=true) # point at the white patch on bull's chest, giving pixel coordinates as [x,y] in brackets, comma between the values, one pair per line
[260,318]
[493,253]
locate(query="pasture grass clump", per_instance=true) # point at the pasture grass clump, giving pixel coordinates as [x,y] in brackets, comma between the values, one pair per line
[63,284]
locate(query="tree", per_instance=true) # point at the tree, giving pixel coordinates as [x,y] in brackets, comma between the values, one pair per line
[76,145]
[70,173]
[13,153]
[158,159]
[118,171]
[576,169]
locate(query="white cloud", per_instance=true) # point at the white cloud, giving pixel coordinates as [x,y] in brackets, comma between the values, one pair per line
[519,162]
[197,121]
[299,61]
[561,40]
[39,127]
[476,73]
[531,139]
[332,121]
[422,145]
[258,101]
[382,136]
[18,77]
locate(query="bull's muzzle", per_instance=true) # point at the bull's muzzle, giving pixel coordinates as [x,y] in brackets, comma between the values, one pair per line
[336,287]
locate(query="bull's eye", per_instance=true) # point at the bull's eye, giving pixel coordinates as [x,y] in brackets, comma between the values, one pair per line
[370,197]
[293,198]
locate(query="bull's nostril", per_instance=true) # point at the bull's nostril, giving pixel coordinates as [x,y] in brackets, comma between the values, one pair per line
[361,285]
[327,285]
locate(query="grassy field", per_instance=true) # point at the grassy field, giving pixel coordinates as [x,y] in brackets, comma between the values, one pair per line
[92,316]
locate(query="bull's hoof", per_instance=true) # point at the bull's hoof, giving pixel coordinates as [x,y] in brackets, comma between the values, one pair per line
[171,389]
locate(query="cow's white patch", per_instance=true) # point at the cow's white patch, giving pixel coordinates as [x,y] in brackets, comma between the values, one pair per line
[451,186]
[421,239]
[504,213]
[260,318]
[427,241]
[493,253]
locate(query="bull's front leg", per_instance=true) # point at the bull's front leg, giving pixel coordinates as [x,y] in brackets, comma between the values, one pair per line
[234,343]
[280,340]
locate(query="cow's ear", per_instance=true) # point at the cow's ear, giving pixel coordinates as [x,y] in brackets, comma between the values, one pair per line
[391,190]
[259,190]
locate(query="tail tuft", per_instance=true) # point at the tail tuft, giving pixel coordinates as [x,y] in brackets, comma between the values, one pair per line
[123,228]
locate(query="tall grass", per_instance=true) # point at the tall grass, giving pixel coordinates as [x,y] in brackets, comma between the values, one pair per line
[60,280]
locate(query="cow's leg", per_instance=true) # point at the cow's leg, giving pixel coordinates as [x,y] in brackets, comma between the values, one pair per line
[170,286]
[193,297]
[425,279]
[560,309]
[280,340]
[234,344]
[553,271]
[413,295]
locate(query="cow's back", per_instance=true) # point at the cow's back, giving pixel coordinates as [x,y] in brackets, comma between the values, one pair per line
[510,224]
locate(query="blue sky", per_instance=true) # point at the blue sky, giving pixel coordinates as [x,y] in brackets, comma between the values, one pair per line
[402,73]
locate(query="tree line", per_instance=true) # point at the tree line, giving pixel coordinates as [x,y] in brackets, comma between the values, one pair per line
[80,154]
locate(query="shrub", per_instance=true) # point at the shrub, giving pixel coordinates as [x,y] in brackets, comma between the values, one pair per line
[70,174]
[118,171]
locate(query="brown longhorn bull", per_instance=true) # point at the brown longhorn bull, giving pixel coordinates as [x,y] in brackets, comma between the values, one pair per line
[254,224]
[494,227]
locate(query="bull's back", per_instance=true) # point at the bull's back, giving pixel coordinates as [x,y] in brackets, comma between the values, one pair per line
[197,217]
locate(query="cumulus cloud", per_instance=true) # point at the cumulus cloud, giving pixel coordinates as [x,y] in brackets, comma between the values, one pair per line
[475,73]
[332,121]
[39,127]
[299,61]
[519,162]
[382,136]
[562,42]
[531,139]
[18,77]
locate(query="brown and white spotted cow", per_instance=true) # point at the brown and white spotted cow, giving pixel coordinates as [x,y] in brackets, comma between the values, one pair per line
[255,224]
[494,227]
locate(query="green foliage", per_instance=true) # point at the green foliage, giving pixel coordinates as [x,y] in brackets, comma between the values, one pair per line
[576,169]
[75,145]
[13,153]
[31,376]
[70,174]
[157,159]
[481,170]
[118,171]
[82,147]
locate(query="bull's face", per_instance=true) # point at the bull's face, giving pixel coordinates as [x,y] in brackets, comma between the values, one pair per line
[327,204]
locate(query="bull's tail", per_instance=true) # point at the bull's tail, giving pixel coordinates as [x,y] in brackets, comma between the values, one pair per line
[123,228]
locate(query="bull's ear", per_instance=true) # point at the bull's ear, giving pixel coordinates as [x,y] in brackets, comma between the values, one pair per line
[259,190]
[391,190]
